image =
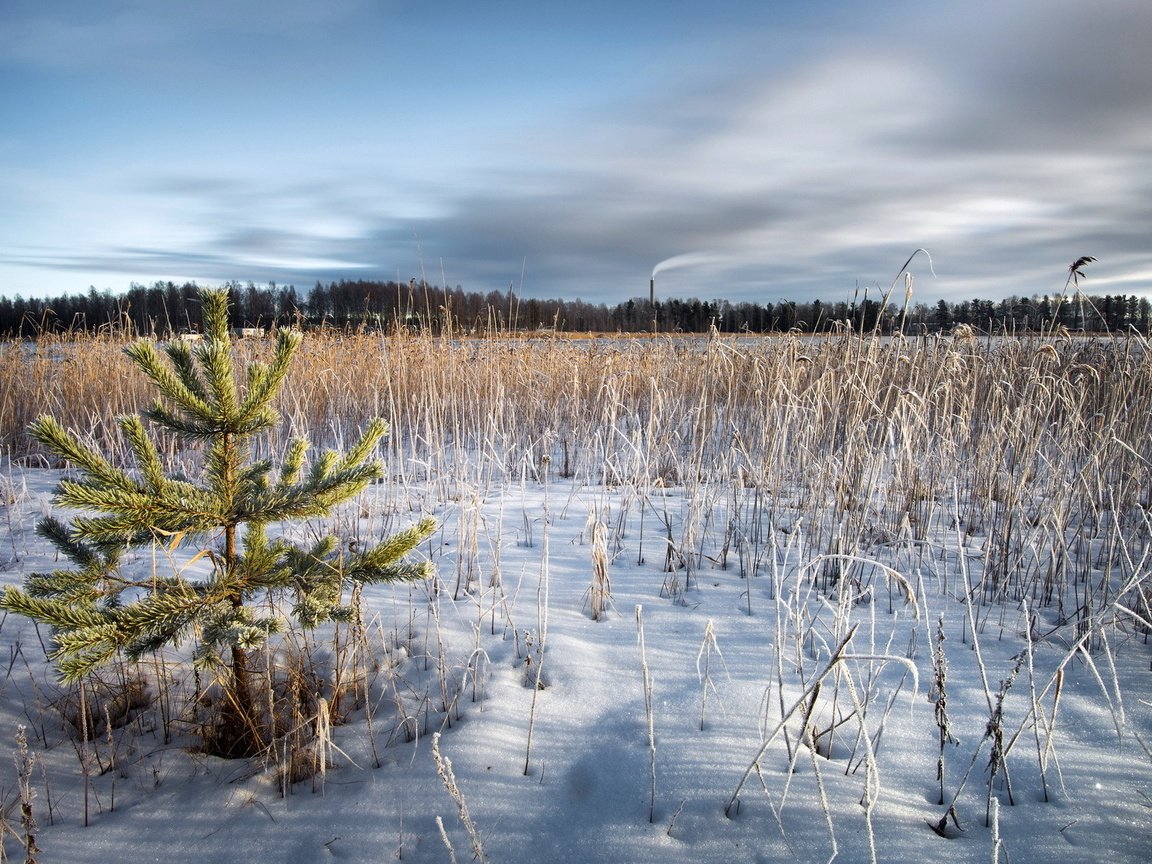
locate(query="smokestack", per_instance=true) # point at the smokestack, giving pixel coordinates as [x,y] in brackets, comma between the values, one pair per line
[652,290]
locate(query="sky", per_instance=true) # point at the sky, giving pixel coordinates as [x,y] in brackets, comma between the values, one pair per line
[742,150]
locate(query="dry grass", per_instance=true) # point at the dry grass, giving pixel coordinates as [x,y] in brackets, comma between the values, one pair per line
[864,439]
[866,436]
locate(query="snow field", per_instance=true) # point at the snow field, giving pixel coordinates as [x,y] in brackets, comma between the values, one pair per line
[586,793]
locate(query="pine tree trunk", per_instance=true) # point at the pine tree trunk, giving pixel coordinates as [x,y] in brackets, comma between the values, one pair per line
[239,733]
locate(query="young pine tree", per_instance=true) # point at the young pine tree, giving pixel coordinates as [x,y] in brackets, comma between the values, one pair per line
[99,611]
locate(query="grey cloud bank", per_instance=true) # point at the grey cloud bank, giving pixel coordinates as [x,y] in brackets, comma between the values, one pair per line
[806,161]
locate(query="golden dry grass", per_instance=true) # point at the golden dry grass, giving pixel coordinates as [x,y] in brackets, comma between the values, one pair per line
[1024,441]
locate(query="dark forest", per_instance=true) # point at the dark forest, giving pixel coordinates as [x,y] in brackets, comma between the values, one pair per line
[164,309]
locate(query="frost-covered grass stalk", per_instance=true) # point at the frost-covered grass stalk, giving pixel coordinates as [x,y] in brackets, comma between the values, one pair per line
[600,592]
[705,674]
[649,713]
[448,778]
[534,658]
[25,764]
[939,696]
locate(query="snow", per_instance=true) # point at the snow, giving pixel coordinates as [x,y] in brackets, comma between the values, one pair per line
[586,793]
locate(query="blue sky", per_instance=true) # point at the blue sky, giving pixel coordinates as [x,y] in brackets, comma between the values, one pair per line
[774,150]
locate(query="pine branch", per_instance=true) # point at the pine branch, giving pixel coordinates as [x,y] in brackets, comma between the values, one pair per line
[194,430]
[69,586]
[322,467]
[215,313]
[378,564]
[215,356]
[315,496]
[235,628]
[92,495]
[60,536]
[180,356]
[58,614]
[190,400]
[163,618]
[76,667]
[262,566]
[265,381]
[393,573]
[138,528]
[293,465]
[339,486]
[102,638]
[53,436]
[221,463]
[144,451]
[360,451]
[253,479]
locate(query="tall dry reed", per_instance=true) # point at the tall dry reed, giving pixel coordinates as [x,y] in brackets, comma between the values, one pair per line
[1041,443]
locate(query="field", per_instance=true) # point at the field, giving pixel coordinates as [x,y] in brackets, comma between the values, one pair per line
[698,599]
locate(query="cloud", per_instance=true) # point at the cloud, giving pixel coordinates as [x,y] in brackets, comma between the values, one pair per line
[1008,139]
[836,167]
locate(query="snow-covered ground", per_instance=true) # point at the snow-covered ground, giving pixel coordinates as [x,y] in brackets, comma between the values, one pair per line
[736,637]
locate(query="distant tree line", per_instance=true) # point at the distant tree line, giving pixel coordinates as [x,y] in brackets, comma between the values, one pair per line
[165,308]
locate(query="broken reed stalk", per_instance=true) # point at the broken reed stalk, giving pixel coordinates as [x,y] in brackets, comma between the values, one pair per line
[444,839]
[85,754]
[837,655]
[25,763]
[648,712]
[448,778]
[939,696]
[1040,718]
[601,590]
[542,594]
[706,648]
[993,731]
[824,808]
[996,841]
